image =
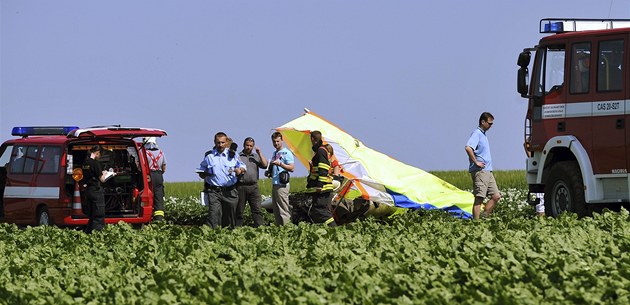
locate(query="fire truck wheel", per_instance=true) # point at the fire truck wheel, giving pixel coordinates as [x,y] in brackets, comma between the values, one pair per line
[564,190]
[43,218]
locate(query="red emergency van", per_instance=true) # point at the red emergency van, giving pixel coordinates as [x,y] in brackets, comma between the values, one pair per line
[40,170]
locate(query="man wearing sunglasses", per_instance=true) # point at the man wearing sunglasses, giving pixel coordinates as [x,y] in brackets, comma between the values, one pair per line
[480,168]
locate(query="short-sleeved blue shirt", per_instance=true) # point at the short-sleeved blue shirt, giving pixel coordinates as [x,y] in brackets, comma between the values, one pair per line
[478,141]
[221,168]
[286,156]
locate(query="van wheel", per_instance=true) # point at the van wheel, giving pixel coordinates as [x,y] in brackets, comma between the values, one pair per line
[564,190]
[43,218]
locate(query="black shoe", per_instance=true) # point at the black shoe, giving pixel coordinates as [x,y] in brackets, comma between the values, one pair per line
[158,218]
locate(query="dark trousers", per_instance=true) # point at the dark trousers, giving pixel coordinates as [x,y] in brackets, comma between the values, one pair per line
[95,202]
[222,207]
[3,181]
[320,211]
[157,179]
[251,194]
[2,202]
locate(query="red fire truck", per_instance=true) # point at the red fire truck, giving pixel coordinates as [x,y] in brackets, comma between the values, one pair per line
[40,173]
[576,138]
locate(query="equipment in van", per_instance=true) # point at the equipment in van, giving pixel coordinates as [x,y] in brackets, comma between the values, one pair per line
[43,167]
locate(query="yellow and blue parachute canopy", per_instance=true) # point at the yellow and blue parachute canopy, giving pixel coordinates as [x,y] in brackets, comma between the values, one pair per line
[373,175]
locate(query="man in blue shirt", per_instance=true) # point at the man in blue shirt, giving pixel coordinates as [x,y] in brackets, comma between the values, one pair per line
[282,160]
[219,171]
[480,168]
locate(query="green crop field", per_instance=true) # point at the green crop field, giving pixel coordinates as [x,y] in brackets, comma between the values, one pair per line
[420,257]
[461,179]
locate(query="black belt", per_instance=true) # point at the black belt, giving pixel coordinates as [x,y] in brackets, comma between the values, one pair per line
[157,171]
[220,188]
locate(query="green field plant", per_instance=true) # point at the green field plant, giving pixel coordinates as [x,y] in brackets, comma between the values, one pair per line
[415,258]
[182,205]
[419,257]
[461,179]
[509,179]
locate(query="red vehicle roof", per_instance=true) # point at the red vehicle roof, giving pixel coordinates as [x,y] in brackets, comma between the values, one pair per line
[584,33]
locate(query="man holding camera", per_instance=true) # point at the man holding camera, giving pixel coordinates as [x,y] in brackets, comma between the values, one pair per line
[282,162]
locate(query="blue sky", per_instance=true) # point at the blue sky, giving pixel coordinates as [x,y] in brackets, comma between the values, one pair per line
[407,78]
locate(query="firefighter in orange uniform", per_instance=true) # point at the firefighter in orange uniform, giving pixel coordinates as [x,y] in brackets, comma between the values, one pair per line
[319,183]
[335,167]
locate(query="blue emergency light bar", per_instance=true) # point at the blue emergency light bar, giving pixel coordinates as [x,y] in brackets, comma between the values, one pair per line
[42,131]
[553,27]
[562,25]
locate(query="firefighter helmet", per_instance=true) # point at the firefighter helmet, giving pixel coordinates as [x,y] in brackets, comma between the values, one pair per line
[150,143]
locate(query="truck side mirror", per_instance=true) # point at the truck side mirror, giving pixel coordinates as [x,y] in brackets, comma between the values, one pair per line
[523,58]
[521,80]
[523,74]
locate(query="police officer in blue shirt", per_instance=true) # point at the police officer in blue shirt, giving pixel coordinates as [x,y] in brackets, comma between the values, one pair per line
[219,169]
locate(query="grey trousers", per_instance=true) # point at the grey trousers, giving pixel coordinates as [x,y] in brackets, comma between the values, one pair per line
[222,207]
[251,194]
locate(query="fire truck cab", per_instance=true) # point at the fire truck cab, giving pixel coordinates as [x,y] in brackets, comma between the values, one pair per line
[40,175]
[576,139]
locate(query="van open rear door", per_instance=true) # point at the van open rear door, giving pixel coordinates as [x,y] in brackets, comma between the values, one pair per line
[129,195]
[116,132]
